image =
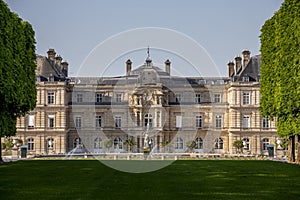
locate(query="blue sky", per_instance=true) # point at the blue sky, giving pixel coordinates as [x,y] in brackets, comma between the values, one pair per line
[75,27]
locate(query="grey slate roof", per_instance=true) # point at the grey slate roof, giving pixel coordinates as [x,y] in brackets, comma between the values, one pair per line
[252,70]
[140,69]
[47,68]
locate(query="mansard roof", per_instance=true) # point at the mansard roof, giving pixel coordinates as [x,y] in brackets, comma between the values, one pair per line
[249,73]
[144,67]
[252,70]
[47,69]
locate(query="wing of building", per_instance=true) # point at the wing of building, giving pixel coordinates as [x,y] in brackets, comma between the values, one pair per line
[147,106]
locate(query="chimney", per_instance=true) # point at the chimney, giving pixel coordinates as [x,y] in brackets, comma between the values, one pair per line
[231,70]
[168,66]
[128,67]
[65,68]
[238,64]
[245,58]
[58,60]
[51,54]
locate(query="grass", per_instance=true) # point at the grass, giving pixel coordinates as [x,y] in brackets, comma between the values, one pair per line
[184,179]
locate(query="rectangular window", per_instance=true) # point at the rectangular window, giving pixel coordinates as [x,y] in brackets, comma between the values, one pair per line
[118,97]
[218,121]
[98,121]
[199,121]
[266,123]
[246,98]
[78,122]
[79,98]
[177,98]
[178,121]
[179,143]
[265,143]
[30,143]
[198,98]
[30,121]
[51,121]
[118,121]
[217,98]
[246,121]
[148,121]
[50,97]
[99,97]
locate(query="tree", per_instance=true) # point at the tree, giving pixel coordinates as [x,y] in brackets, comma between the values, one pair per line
[280,71]
[107,144]
[191,145]
[8,144]
[17,70]
[238,144]
[130,143]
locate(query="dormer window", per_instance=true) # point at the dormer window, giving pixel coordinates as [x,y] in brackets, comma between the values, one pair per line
[99,97]
[177,98]
[246,79]
[118,97]
[51,78]
[79,98]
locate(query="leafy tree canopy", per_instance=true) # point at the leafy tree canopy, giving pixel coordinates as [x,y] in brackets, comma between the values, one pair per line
[280,70]
[17,69]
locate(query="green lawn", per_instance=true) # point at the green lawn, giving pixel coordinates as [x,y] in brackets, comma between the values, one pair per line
[184,179]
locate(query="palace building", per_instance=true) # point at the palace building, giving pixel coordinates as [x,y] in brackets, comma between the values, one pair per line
[173,114]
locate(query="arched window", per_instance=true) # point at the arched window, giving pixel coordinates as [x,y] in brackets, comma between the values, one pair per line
[118,143]
[219,143]
[98,143]
[30,143]
[265,143]
[50,143]
[148,120]
[179,143]
[199,143]
[246,143]
[77,143]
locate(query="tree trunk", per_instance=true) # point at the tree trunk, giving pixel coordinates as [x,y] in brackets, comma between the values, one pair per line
[298,153]
[298,149]
[291,149]
[1,161]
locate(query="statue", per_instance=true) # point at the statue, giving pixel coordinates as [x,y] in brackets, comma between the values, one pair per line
[147,140]
[278,142]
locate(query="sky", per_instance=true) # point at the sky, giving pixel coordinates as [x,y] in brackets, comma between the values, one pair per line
[198,36]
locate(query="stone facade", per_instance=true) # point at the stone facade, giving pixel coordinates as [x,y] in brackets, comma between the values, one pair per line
[82,114]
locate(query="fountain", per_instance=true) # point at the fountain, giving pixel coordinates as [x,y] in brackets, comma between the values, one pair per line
[76,150]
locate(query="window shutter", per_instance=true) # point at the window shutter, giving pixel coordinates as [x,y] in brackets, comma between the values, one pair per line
[30,120]
[178,121]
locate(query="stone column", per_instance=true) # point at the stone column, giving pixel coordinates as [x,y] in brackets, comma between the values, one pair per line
[230,141]
[275,146]
[42,97]
[63,144]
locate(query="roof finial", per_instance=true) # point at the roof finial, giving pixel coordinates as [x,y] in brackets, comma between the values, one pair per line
[148,59]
